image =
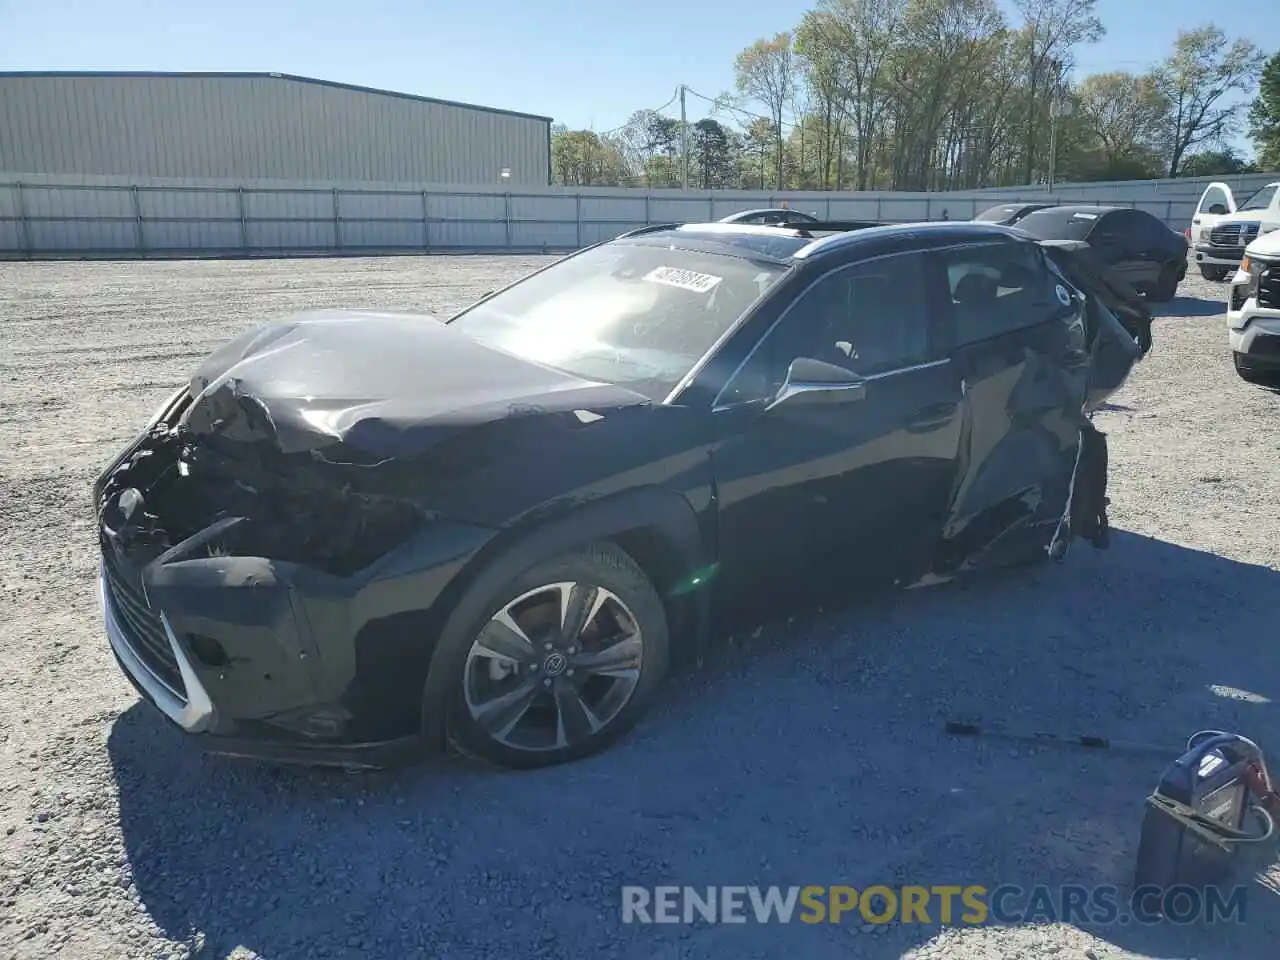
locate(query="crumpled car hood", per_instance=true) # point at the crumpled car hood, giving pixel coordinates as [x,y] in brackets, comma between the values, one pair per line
[381,384]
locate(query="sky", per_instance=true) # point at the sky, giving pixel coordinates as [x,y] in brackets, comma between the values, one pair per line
[591,68]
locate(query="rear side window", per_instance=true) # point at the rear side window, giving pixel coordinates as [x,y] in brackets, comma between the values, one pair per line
[999,288]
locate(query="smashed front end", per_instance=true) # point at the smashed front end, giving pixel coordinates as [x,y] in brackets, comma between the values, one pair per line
[264,599]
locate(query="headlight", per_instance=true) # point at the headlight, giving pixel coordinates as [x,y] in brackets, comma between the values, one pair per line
[1254,269]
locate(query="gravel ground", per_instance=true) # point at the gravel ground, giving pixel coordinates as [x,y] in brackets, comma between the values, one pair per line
[809,753]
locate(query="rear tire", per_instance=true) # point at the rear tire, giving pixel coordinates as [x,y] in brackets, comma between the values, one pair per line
[547,692]
[1213,273]
[1166,285]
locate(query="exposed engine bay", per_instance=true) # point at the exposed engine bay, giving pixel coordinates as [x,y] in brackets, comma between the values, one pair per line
[292,507]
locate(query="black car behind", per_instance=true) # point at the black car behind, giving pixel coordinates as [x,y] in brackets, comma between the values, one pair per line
[1010,213]
[1138,248]
[351,536]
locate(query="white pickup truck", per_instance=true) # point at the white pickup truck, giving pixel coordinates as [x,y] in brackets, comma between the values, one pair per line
[1220,230]
[1253,312]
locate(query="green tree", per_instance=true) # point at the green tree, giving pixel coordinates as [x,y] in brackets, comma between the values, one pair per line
[825,73]
[1264,116]
[1216,163]
[712,149]
[1205,68]
[759,142]
[862,36]
[1126,116]
[651,143]
[584,158]
[766,73]
[1051,30]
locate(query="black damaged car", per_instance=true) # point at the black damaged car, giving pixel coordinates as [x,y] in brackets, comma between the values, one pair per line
[353,537]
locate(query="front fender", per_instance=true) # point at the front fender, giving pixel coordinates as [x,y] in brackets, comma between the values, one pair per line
[659,524]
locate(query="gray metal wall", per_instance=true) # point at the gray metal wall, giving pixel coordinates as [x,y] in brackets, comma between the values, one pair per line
[116,216]
[255,126]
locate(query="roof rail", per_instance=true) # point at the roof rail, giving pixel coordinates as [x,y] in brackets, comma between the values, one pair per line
[652,228]
[806,228]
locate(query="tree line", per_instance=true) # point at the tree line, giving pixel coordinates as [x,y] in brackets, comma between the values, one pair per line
[946,95]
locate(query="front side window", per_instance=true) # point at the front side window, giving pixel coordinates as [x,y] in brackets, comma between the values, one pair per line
[638,314]
[999,288]
[1214,197]
[869,318]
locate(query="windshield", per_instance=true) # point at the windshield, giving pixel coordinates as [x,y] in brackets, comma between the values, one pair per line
[638,314]
[1262,199]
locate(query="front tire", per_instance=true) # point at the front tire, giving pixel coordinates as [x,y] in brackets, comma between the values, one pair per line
[1213,273]
[1256,377]
[562,660]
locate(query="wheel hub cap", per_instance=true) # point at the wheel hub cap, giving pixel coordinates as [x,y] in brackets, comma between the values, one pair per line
[553,667]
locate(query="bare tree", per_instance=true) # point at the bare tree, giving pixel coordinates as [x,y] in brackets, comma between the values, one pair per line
[1051,28]
[1205,68]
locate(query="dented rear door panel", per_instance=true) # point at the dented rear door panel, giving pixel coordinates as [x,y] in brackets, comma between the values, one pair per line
[1024,390]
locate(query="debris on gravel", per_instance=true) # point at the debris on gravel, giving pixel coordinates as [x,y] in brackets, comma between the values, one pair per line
[809,751]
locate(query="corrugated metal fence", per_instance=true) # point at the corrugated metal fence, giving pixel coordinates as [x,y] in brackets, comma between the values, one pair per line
[46,217]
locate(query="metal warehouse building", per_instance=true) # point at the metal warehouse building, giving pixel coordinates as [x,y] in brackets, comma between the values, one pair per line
[242,126]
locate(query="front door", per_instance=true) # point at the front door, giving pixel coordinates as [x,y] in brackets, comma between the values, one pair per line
[1216,201]
[858,484]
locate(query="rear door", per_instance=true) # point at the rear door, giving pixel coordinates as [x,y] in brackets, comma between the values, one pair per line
[1216,201]
[1017,338]
[858,486]
[1125,245]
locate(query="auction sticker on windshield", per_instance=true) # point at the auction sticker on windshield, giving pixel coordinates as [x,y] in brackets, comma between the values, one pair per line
[684,279]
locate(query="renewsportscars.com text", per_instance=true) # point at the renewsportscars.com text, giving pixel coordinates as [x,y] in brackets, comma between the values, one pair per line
[971,905]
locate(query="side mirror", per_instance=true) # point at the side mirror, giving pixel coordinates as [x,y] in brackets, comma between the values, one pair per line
[1218,209]
[812,381]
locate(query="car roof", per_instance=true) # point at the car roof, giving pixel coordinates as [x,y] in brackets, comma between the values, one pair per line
[1072,208]
[788,243]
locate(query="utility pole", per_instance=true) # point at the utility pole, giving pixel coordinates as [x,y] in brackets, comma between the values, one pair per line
[1054,98]
[684,143]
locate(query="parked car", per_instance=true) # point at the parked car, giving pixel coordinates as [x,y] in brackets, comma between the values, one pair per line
[1139,248]
[770,215]
[1220,230]
[1010,213]
[1253,312]
[355,536]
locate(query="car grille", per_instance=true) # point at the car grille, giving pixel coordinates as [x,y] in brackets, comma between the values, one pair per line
[147,636]
[1269,286]
[1233,234]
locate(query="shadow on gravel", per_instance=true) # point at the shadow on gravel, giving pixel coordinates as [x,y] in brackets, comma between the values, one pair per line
[812,753]
[1189,307]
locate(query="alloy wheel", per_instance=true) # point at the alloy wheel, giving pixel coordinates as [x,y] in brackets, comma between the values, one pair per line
[553,667]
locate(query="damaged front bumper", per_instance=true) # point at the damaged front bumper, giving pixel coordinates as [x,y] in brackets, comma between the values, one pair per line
[258,655]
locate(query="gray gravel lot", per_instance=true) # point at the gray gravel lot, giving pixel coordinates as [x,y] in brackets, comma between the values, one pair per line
[810,753]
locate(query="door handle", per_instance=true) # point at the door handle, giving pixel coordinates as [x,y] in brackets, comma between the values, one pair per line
[934,415]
